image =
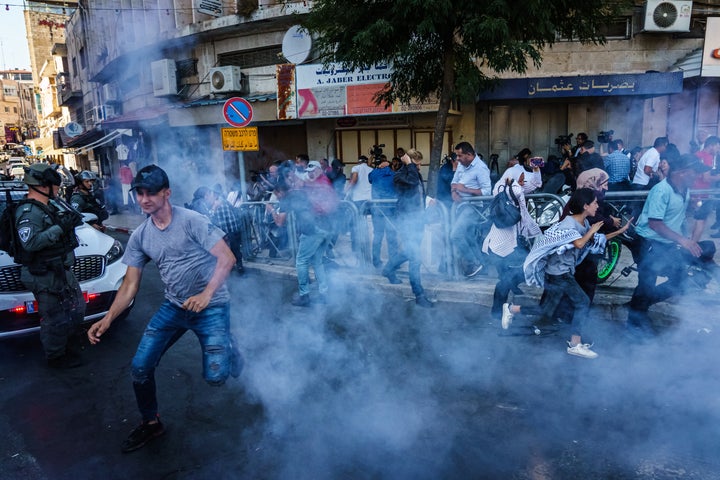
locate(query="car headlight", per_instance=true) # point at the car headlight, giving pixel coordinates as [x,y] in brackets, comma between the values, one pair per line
[115,253]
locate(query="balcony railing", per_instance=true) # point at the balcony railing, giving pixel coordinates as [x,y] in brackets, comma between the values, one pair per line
[66,95]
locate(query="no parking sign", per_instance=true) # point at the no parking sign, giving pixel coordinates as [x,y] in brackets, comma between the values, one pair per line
[237,112]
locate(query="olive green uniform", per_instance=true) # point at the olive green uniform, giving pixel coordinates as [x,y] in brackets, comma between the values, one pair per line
[86,202]
[46,260]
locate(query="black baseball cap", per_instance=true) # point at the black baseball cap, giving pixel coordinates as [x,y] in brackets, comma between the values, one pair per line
[151,178]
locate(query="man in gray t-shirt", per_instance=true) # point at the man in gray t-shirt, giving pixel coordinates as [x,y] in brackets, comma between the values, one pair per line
[194,262]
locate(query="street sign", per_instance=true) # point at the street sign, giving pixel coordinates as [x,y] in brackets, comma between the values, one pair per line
[237,112]
[240,139]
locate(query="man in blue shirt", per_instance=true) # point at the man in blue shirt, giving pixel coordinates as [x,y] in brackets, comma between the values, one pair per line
[617,166]
[664,247]
[383,188]
[472,178]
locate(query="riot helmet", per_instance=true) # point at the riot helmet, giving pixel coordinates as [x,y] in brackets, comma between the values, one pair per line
[41,174]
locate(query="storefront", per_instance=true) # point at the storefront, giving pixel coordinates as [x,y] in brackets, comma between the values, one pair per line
[533,112]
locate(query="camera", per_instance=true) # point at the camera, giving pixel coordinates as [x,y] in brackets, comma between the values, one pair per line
[537,162]
[605,136]
[376,151]
[258,175]
[563,140]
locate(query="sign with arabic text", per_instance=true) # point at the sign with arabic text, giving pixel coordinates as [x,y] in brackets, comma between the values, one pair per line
[655,83]
[325,91]
[240,139]
[209,7]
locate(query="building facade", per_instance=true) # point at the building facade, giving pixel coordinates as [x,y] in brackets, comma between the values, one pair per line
[148,82]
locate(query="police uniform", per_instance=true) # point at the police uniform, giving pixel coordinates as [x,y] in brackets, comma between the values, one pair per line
[86,202]
[46,257]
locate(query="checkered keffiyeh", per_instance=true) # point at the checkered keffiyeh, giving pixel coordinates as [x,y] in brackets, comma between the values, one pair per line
[556,241]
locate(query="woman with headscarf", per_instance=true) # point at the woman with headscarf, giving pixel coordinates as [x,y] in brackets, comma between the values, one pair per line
[586,272]
[506,252]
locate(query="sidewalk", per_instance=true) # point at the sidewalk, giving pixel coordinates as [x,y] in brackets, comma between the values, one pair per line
[478,290]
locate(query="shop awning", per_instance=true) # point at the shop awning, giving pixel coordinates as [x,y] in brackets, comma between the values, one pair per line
[643,84]
[690,65]
[146,116]
[203,102]
[102,141]
[83,139]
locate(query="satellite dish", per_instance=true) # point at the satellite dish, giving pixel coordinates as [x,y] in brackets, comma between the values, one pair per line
[296,45]
[73,129]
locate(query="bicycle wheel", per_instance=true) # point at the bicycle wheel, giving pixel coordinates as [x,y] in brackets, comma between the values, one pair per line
[609,259]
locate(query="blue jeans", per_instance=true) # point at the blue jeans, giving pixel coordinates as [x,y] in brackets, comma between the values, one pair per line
[557,287]
[212,327]
[410,229]
[382,217]
[311,249]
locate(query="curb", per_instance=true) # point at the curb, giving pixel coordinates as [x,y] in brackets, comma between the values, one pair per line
[477,291]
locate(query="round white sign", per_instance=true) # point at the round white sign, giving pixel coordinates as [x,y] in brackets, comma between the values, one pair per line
[73,129]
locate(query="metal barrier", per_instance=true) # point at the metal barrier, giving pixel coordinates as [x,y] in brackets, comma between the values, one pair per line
[351,244]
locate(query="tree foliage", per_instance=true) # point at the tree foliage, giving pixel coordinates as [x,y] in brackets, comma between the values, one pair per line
[450,49]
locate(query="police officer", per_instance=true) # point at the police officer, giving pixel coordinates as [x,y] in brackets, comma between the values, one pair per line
[46,231]
[84,200]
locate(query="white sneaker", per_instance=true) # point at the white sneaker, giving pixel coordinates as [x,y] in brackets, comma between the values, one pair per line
[581,350]
[507,316]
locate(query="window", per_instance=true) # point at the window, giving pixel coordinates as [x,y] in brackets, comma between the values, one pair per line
[259,57]
[186,68]
[14,109]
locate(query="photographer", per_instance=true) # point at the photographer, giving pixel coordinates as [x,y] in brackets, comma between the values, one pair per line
[47,240]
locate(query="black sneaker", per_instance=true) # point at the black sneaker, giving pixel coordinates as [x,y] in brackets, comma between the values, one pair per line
[301,300]
[392,278]
[142,435]
[422,301]
[473,270]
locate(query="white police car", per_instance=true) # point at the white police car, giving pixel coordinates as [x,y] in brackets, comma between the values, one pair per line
[97,267]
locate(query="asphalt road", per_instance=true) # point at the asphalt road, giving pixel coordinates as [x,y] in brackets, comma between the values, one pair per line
[369,387]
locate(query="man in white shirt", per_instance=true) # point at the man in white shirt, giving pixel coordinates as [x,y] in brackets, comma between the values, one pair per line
[472,178]
[648,164]
[359,186]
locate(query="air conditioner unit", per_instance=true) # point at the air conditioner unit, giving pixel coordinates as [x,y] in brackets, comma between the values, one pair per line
[110,93]
[164,77]
[226,79]
[667,16]
[109,111]
[101,113]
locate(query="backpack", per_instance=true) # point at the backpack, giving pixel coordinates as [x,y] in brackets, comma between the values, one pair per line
[9,241]
[505,207]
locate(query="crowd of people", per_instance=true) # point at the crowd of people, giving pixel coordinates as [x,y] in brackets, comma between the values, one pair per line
[212,232]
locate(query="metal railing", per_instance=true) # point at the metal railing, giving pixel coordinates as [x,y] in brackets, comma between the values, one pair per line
[351,245]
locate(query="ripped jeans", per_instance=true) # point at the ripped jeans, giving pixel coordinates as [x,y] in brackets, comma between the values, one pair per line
[212,327]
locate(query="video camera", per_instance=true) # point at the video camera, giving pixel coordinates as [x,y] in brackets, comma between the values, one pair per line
[375,153]
[563,140]
[605,136]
